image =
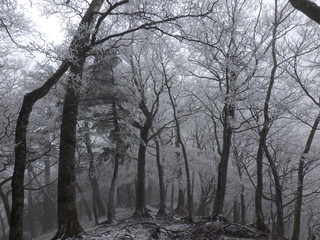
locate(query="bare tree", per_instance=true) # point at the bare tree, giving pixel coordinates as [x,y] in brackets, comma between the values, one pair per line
[87,37]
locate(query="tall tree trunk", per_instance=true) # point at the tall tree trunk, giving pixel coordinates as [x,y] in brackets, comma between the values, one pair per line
[3,228]
[16,221]
[68,224]
[141,210]
[98,208]
[242,206]
[181,203]
[30,214]
[223,164]
[162,208]
[236,211]
[259,188]
[5,199]
[201,211]
[265,128]
[84,202]
[172,198]
[49,205]
[238,159]
[278,196]
[112,195]
[184,151]
[299,193]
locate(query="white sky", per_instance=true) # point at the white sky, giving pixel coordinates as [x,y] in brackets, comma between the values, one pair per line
[49,26]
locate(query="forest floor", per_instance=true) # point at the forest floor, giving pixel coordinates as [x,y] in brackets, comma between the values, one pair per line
[176,229]
[170,229]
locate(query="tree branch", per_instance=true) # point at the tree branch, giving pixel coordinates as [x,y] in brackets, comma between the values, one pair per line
[310,9]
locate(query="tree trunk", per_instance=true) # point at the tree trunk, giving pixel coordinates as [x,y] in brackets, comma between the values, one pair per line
[201,211]
[98,208]
[162,208]
[236,211]
[265,128]
[278,196]
[259,224]
[112,195]
[68,224]
[223,164]
[181,204]
[16,221]
[84,202]
[3,228]
[49,205]
[184,152]
[172,198]
[243,206]
[30,210]
[299,193]
[141,210]
[5,201]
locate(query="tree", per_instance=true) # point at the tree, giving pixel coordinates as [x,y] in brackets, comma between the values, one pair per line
[147,83]
[309,8]
[87,38]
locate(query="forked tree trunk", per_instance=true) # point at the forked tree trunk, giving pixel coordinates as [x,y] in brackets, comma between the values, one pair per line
[16,221]
[299,193]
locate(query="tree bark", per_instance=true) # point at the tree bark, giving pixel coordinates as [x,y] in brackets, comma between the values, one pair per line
[299,193]
[84,202]
[141,210]
[162,208]
[5,199]
[265,129]
[184,151]
[68,224]
[181,203]
[30,209]
[309,8]
[278,196]
[223,164]
[16,221]
[49,205]
[112,195]
[3,228]
[98,208]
